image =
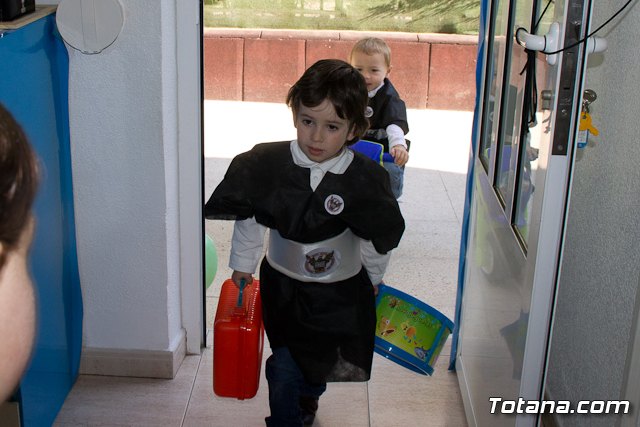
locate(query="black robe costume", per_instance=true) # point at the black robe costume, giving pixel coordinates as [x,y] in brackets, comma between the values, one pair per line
[387,109]
[329,328]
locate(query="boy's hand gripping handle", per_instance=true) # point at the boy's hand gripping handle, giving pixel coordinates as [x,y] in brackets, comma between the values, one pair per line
[242,285]
[239,308]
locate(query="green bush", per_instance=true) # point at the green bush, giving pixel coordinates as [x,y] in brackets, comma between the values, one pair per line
[414,16]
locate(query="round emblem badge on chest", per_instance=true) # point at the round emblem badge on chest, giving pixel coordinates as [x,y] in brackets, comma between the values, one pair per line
[368,112]
[334,204]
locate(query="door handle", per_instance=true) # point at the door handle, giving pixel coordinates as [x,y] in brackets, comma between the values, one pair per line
[549,43]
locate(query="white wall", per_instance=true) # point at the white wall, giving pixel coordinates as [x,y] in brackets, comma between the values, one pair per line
[124,125]
[601,263]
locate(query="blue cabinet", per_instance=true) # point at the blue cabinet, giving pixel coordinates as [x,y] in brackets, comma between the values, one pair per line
[34,87]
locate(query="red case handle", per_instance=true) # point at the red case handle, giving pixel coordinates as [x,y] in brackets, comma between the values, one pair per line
[239,310]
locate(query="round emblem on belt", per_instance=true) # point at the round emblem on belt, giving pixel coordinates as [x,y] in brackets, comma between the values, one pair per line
[321,261]
[334,204]
[368,112]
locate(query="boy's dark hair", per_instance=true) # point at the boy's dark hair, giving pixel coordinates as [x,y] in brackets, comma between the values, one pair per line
[338,82]
[18,182]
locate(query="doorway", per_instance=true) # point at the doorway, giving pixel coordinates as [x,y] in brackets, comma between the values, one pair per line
[426,266]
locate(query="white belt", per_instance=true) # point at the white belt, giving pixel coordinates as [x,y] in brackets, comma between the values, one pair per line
[331,260]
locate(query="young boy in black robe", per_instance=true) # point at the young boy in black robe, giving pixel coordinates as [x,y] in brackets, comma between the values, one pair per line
[332,221]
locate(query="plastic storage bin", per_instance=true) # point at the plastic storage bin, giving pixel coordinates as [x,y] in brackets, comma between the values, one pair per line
[408,331]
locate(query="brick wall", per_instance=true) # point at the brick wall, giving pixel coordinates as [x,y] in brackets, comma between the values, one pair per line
[429,70]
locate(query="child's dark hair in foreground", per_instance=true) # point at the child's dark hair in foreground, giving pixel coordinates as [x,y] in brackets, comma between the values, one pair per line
[332,222]
[18,187]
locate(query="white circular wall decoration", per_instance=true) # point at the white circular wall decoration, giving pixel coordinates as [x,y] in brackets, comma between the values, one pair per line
[89,25]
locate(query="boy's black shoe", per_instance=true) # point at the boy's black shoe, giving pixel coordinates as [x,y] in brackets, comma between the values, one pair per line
[308,409]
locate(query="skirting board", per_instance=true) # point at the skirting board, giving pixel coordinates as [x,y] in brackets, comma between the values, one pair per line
[133,363]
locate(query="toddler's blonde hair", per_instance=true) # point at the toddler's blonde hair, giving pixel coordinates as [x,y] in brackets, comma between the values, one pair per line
[371,46]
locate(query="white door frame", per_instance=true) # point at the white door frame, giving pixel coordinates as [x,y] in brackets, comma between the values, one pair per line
[188,45]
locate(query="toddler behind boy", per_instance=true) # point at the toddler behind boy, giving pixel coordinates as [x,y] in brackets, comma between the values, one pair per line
[386,112]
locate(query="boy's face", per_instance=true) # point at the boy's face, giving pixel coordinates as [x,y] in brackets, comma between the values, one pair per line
[321,133]
[372,67]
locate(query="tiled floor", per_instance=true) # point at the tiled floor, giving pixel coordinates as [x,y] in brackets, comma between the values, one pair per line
[424,265]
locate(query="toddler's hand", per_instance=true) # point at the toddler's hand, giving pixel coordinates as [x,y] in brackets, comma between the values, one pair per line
[400,155]
[237,276]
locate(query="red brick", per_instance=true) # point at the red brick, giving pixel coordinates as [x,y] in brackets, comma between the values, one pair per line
[237,33]
[410,71]
[271,67]
[327,49]
[452,77]
[354,36]
[437,38]
[223,68]
[429,70]
[300,34]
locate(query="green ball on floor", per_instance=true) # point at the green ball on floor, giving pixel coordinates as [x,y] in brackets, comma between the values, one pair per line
[211,260]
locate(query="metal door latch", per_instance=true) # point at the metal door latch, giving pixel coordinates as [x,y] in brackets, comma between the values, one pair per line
[550,42]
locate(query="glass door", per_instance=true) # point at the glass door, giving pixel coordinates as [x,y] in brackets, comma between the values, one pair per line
[520,190]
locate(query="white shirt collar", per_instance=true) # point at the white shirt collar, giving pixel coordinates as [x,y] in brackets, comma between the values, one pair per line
[337,164]
[373,92]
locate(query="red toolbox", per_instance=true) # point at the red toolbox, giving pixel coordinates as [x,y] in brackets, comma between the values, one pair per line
[238,338]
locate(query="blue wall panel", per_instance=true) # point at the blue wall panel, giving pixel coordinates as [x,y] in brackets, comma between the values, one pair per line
[34,87]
